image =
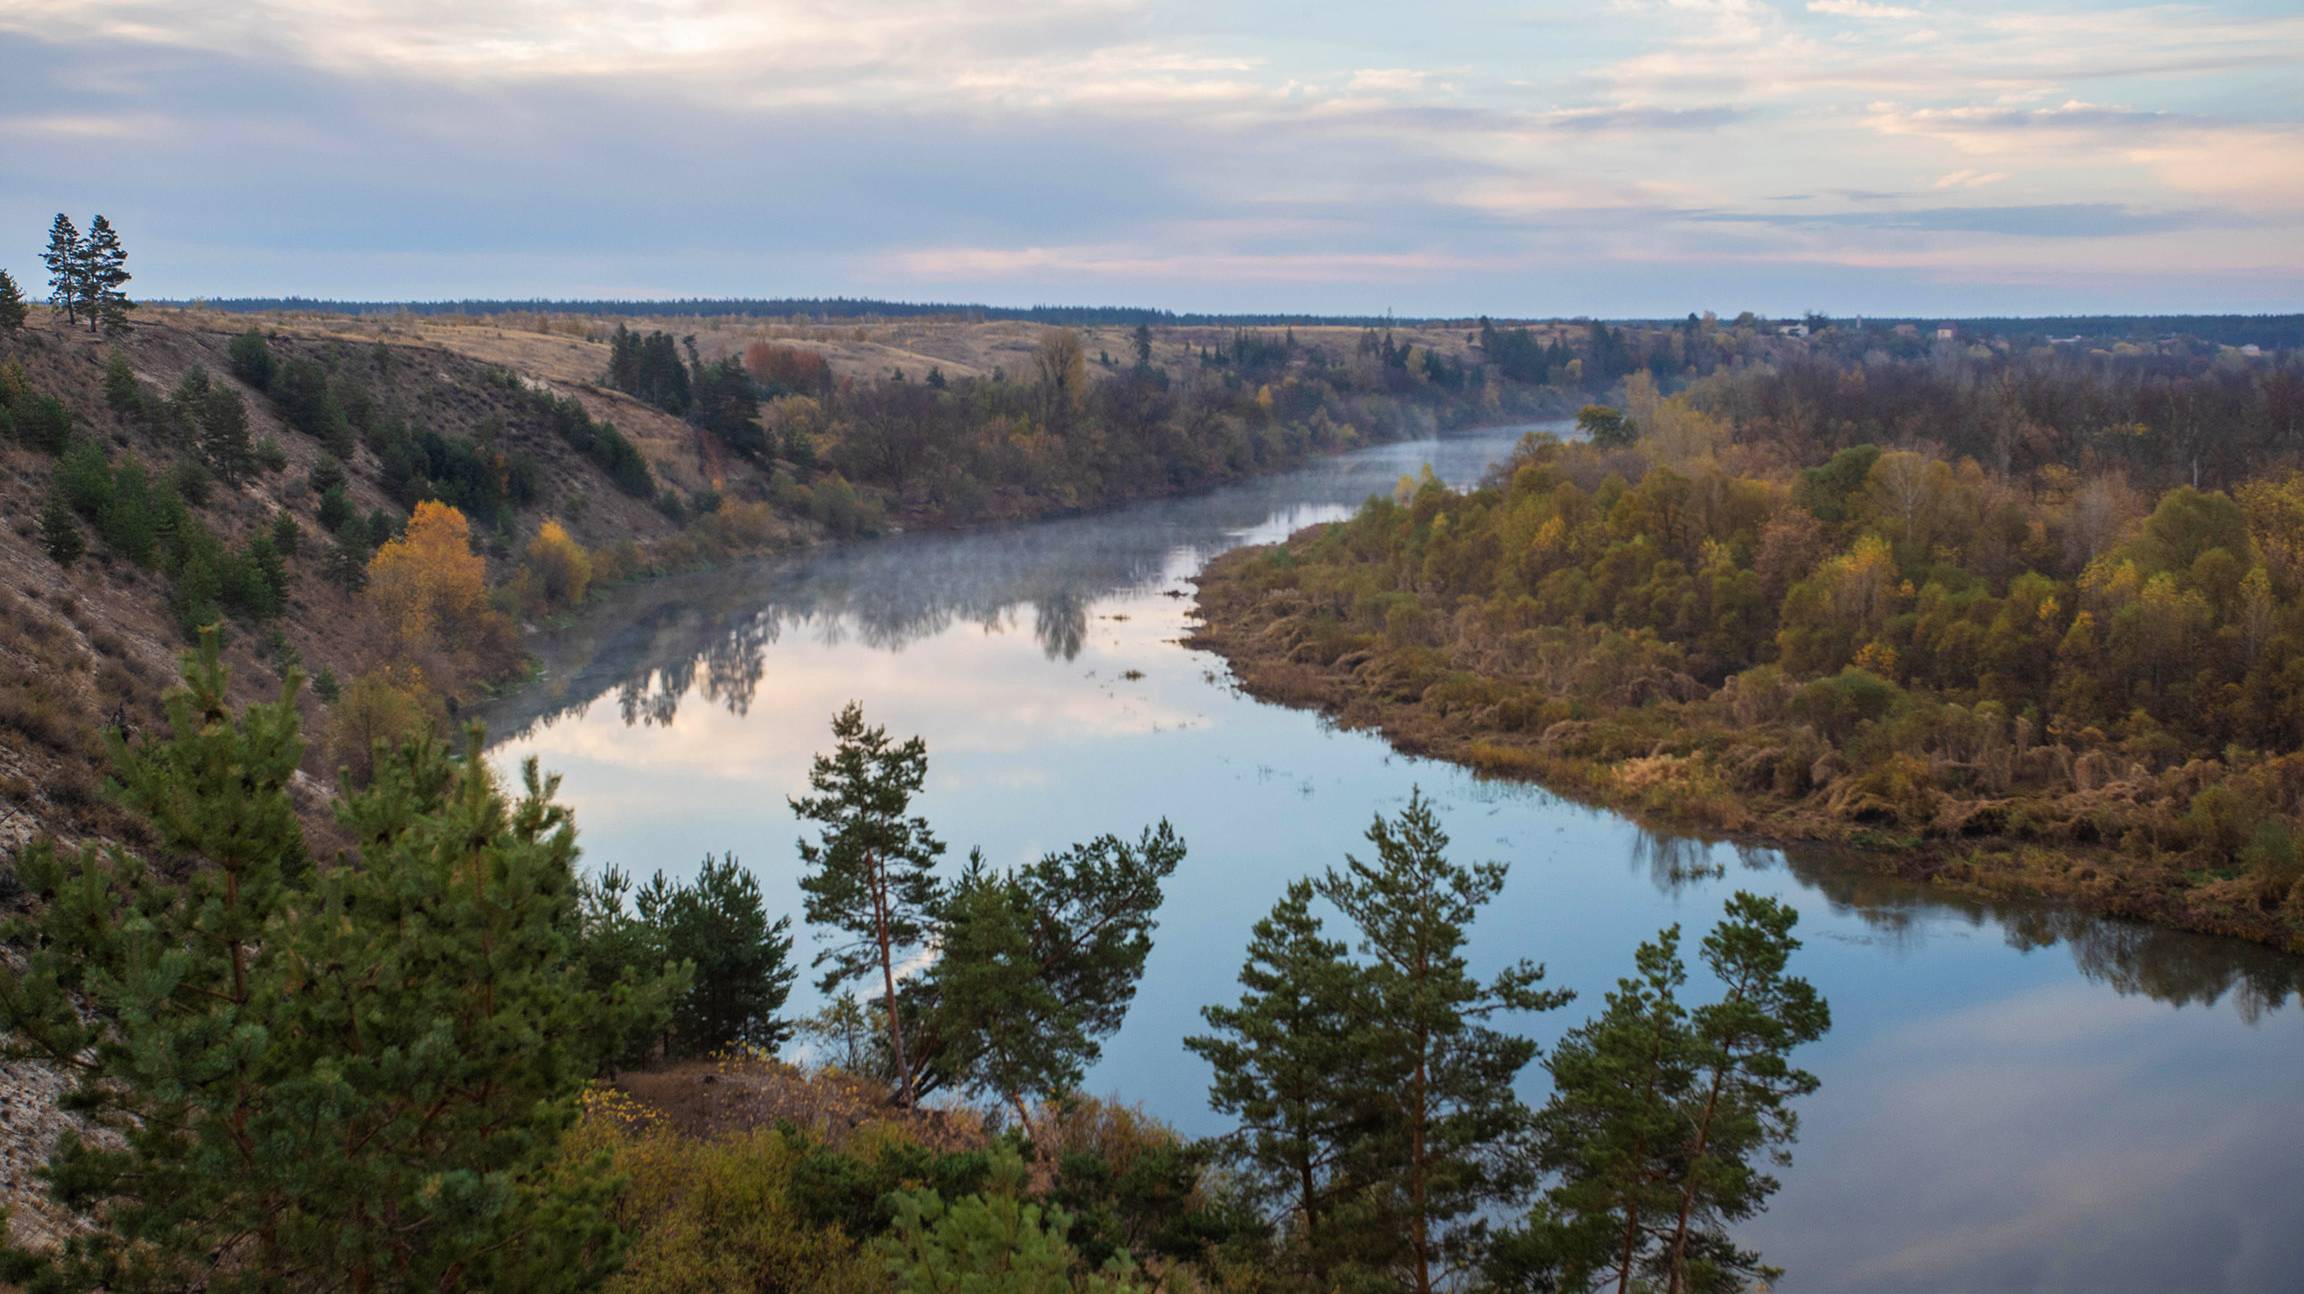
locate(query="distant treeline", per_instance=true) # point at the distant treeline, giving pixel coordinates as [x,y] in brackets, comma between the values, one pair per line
[2268,330]
[813,307]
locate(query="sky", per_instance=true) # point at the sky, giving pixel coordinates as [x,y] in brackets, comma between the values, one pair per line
[1623,158]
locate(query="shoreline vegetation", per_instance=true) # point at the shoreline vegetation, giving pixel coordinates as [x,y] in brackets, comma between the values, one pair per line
[2069,675]
[1670,789]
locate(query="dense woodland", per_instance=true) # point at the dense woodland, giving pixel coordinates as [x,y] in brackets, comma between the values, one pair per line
[2030,619]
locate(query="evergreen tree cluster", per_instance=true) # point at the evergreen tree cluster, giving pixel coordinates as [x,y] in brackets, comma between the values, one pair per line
[649,368]
[726,967]
[87,275]
[1374,1090]
[365,1071]
[1035,966]
[12,307]
[152,520]
[1518,355]
[352,1075]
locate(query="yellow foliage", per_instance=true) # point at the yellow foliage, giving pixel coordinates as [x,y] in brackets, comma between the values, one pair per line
[428,584]
[562,569]
[1877,657]
[706,1216]
[381,707]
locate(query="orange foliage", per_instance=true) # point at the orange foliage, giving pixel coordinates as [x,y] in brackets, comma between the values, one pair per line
[428,584]
[789,368]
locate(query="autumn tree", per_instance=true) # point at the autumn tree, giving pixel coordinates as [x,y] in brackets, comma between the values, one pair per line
[428,584]
[376,712]
[560,567]
[1060,365]
[871,883]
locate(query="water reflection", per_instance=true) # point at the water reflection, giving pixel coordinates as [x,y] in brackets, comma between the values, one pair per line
[654,644]
[2129,957]
[2016,1096]
[707,638]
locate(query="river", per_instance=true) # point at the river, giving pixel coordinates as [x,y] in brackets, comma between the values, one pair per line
[2015,1097]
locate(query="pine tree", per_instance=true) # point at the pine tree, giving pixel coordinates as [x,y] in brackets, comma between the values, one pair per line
[622,957]
[1453,1123]
[742,961]
[351,1077]
[251,359]
[60,530]
[129,519]
[1659,1112]
[1611,1132]
[1740,1106]
[64,261]
[104,274]
[1290,1068]
[12,307]
[1037,966]
[44,423]
[121,390]
[223,433]
[871,880]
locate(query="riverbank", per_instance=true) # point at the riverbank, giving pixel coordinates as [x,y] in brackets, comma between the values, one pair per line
[1679,766]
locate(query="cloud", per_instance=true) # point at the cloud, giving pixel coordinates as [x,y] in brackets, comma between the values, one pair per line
[421,147]
[1387,80]
[1133,263]
[1861,9]
[1968,179]
[1645,118]
[2041,220]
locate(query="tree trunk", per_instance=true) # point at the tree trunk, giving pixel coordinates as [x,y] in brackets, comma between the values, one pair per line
[1677,1280]
[1423,1235]
[888,985]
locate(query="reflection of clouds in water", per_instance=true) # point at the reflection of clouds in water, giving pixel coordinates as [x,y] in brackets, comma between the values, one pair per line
[640,643]
[2024,1144]
[1956,1153]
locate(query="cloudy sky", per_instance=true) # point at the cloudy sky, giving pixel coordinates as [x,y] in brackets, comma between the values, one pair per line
[1617,157]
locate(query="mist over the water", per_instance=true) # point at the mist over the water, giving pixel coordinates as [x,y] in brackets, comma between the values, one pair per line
[2015,1096]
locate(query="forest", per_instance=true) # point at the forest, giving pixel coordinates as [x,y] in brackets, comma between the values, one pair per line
[2023,621]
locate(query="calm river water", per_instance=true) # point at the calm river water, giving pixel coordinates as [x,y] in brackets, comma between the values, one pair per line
[2014,1097]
